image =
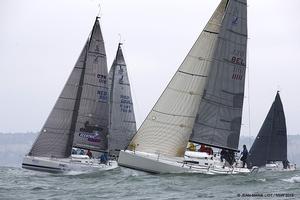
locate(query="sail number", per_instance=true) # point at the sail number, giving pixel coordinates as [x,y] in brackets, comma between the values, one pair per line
[238,73]
[102,78]
[103,96]
[125,104]
[238,61]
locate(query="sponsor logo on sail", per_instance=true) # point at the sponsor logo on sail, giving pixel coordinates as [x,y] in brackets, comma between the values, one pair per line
[90,132]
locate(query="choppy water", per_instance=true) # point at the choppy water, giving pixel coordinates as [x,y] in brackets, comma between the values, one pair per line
[121,183]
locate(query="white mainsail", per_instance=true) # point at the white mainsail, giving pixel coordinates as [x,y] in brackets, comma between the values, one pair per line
[168,126]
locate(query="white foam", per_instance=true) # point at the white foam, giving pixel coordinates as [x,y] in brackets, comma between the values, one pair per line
[295,179]
[75,173]
[262,179]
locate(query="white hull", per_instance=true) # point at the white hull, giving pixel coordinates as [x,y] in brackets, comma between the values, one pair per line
[277,166]
[161,164]
[57,165]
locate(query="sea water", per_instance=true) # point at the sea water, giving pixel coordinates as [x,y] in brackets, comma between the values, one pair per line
[122,183]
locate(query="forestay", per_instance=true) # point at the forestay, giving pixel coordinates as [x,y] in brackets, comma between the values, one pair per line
[271,141]
[219,116]
[168,126]
[122,124]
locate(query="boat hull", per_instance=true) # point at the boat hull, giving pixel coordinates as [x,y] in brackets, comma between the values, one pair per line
[277,166]
[147,163]
[58,165]
[154,163]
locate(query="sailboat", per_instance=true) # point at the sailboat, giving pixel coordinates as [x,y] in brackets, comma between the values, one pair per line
[79,117]
[269,149]
[202,103]
[122,124]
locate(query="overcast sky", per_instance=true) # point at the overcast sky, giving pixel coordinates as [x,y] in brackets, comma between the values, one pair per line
[40,41]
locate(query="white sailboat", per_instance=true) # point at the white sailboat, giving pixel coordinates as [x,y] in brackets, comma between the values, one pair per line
[79,117]
[202,103]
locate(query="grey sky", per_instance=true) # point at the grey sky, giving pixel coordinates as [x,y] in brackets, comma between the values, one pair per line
[40,41]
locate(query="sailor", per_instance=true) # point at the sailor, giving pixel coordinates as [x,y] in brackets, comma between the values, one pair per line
[228,156]
[209,150]
[244,155]
[231,158]
[191,147]
[74,151]
[202,148]
[104,158]
[89,153]
[223,154]
[286,164]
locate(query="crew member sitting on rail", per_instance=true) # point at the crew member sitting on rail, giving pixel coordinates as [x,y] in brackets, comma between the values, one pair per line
[208,150]
[191,147]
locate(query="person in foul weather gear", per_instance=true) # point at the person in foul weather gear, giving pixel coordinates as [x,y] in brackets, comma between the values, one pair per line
[286,164]
[89,153]
[244,155]
[104,158]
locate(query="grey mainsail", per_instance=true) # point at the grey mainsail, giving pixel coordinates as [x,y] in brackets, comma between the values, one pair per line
[92,120]
[56,137]
[122,124]
[168,126]
[271,141]
[219,116]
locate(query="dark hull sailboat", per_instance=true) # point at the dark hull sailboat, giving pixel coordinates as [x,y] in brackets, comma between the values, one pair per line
[270,145]
[79,117]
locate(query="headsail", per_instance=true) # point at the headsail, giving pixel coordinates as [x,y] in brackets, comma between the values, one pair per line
[122,124]
[56,130]
[56,136]
[271,141]
[219,116]
[169,124]
[92,120]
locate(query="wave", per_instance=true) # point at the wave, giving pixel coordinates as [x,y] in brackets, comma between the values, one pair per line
[77,172]
[295,179]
